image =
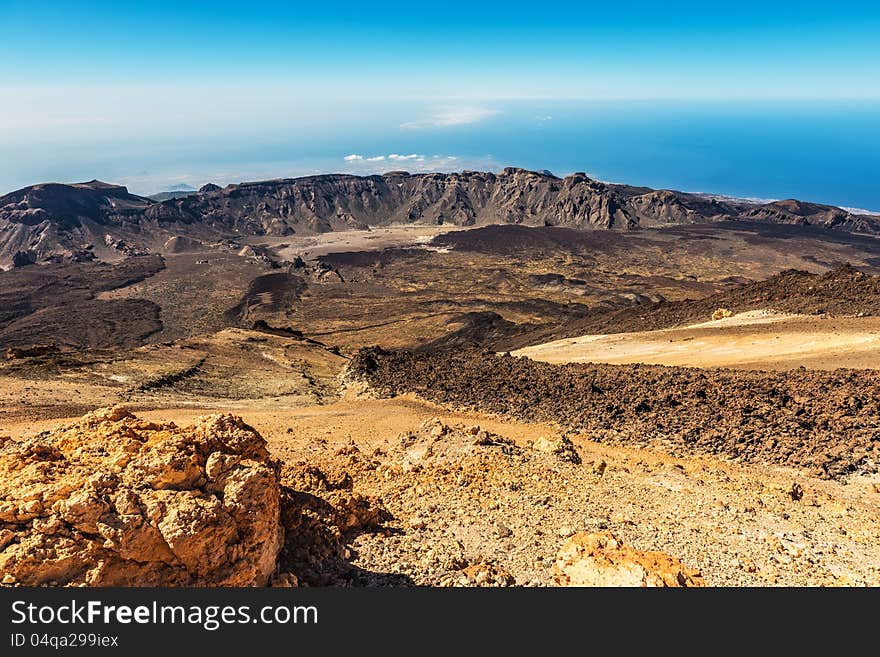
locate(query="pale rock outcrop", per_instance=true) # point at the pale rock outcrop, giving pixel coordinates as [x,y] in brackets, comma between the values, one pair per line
[561,447]
[602,559]
[112,500]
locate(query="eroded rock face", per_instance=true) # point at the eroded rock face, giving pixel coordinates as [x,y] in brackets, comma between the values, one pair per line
[116,501]
[602,559]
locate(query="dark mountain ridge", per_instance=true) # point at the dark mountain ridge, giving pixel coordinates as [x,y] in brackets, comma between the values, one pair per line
[54,220]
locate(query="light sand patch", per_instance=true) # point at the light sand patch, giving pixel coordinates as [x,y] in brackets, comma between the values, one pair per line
[375,239]
[754,340]
[749,318]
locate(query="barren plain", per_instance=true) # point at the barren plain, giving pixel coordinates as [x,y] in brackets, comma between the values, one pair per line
[485,394]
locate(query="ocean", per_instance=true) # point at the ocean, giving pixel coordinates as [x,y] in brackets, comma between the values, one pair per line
[827,153]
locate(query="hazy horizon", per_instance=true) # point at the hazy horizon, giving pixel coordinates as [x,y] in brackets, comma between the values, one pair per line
[754,100]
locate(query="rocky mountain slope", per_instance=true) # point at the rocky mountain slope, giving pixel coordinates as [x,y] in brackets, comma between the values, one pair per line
[96,219]
[842,291]
[60,304]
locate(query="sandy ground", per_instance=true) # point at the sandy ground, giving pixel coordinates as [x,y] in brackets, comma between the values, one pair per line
[752,340]
[366,422]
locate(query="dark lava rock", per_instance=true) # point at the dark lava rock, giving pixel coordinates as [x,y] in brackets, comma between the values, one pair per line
[826,422]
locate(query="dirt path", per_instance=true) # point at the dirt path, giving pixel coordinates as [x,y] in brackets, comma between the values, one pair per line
[366,422]
[751,340]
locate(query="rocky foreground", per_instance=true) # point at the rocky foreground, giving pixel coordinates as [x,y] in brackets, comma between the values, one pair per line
[115,500]
[112,500]
[465,506]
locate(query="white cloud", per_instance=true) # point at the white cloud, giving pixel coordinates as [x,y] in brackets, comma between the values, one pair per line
[860,211]
[393,157]
[417,163]
[451,116]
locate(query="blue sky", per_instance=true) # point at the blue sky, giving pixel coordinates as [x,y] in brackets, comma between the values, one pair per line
[157,92]
[484,49]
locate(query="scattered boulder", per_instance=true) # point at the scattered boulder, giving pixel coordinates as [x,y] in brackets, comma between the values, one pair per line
[112,500]
[356,512]
[181,244]
[437,443]
[86,254]
[721,313]
[117,244]
[284,581]
[484,574]
[562,448]
[601,559]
